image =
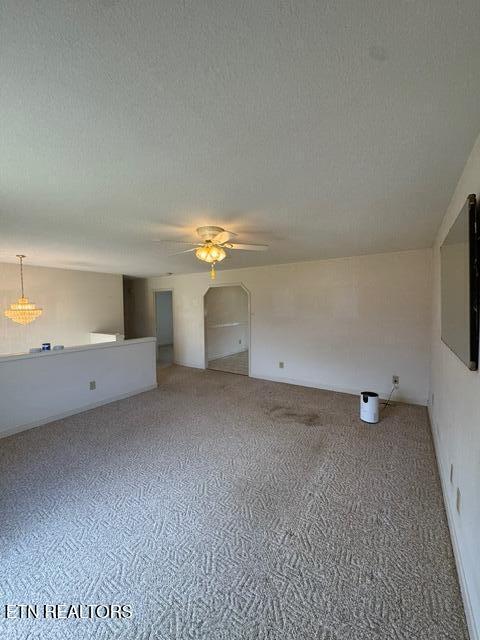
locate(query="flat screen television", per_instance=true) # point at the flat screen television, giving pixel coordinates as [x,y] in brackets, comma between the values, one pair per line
[460,291]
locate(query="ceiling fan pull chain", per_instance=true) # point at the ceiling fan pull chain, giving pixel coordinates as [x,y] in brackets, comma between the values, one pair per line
[213,275]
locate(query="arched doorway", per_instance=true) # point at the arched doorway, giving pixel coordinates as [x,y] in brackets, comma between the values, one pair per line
[227,329]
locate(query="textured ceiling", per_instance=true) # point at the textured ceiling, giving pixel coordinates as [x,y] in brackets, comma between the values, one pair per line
[322,128]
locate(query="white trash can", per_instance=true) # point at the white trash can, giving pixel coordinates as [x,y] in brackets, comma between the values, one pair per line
[369,406]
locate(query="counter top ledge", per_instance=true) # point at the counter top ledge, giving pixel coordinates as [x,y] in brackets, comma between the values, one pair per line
[84,347]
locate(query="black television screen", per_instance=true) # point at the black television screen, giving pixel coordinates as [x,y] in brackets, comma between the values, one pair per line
[460,285]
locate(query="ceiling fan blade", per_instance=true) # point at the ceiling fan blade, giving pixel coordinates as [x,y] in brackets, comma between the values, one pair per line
[223,236]
[191,244]
[180,252]
[247,247]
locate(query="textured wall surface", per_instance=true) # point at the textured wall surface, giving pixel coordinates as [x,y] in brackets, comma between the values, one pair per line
[74,304]
[324,128]
[345,324]
[455,411]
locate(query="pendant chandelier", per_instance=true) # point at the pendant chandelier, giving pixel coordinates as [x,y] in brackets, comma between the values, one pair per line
[23,311]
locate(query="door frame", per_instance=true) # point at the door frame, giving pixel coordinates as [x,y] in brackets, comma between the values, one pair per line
[154,294]
[249,314]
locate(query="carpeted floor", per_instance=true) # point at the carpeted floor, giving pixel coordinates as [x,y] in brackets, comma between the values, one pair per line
[226,508]
[236,363]
[164,356]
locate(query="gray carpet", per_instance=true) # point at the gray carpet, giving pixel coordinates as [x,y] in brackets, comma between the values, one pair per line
[164,355]
[236,363]
[226,508]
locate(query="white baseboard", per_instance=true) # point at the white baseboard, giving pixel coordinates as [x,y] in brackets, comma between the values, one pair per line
[191,365]
[353,392]
[225,355]
[471,622]
[313,385]
[65,414]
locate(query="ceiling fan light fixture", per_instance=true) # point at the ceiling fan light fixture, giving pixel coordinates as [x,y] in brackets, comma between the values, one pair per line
[214,241]
[210,253]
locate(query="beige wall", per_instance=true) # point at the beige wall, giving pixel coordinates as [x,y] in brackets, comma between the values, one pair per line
[455,415]
[138,322]
[345,324]
[74,303]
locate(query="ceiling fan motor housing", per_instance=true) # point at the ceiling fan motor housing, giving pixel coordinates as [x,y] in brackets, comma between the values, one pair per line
[208,233]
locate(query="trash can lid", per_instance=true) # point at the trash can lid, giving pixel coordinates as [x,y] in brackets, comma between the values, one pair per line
[370,394]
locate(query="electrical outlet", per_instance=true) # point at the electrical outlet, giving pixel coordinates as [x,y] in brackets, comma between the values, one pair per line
[240,341]
[93,385]
[459,500]
[395,380]
[281,365]
[451,473]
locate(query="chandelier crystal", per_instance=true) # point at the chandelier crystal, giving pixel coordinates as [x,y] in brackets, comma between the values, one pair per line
[23,311]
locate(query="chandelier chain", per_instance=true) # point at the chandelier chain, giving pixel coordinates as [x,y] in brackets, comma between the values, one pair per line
[21,271]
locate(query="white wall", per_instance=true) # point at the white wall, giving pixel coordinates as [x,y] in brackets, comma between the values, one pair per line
[455,415]
[164,319]
[346,324]
[226,317]
[38,388]
[74,304]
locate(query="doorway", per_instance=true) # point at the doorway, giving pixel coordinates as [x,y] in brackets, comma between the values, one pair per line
[227,329]
[134,308]
[164,328]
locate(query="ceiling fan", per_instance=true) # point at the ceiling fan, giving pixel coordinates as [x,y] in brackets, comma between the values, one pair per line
[212,245]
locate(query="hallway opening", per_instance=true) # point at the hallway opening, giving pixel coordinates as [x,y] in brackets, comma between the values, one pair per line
[164,327]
